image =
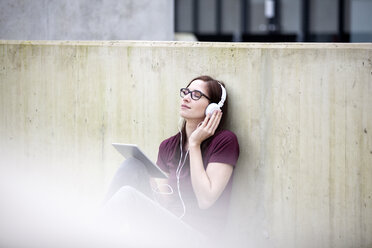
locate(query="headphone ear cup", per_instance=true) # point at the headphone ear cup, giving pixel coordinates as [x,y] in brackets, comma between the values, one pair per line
[211,108]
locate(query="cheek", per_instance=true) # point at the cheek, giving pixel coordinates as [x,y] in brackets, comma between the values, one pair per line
[202,108]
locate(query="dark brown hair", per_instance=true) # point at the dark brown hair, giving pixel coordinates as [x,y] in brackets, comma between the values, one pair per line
[214,92]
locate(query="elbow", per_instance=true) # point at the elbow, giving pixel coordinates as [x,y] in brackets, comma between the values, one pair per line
[207,200]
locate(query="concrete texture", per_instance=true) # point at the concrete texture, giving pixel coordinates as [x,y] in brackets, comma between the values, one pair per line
[86,20]
[302,113]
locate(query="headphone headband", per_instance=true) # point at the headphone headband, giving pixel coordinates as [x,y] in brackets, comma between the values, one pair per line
[217,106]
[223,96]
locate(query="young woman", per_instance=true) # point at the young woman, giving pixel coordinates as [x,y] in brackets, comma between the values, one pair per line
[199,160]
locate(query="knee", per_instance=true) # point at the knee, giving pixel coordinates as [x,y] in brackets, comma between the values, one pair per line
[127,190]
[125,193]
[122,203]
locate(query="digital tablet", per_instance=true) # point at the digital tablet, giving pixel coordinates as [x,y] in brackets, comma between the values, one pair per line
[131,150]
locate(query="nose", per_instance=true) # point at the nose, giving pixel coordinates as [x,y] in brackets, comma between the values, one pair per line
[187,97]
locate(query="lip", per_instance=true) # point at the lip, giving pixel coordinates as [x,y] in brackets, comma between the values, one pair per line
[185,106]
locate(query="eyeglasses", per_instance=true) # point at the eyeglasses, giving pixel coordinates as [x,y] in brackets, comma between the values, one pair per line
[195,94]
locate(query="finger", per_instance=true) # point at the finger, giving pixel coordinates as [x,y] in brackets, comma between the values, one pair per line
[216,121]
[212,119]
[206,120]
[213,123]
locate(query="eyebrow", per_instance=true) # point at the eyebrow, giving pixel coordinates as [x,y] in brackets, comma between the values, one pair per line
[195,90]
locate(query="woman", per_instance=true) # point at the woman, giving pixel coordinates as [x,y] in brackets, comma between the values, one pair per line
[199,161]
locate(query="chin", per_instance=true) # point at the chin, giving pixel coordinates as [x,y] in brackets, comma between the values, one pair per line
[182,114]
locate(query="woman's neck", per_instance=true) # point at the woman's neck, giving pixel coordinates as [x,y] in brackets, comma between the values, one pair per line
[190,127]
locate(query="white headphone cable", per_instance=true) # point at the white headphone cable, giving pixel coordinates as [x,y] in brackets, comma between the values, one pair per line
[178,174]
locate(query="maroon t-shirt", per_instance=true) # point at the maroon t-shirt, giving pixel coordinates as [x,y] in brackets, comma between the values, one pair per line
[223,148]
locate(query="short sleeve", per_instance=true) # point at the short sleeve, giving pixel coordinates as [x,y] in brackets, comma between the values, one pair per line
[162,157]
[224,148]
[166,152]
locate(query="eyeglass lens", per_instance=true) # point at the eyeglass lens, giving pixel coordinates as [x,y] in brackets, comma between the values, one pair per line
[195,95]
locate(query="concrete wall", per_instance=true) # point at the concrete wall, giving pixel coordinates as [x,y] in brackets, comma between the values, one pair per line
[302,113]
[86,20]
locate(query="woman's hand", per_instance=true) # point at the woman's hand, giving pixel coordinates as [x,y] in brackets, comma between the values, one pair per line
[206,129]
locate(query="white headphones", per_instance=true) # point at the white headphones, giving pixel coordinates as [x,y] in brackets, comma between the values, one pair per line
[216,106]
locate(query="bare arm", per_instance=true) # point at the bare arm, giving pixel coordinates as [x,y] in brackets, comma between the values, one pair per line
[159,184]
[207,184]
[161,189]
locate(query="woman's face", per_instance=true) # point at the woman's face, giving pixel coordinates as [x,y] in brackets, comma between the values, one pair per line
[194,109]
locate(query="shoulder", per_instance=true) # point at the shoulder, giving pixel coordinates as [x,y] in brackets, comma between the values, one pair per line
[224,140]
[223,148]
[169,143]
[167,149]
[225,136]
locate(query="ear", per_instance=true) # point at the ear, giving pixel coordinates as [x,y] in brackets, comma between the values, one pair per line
[211,108]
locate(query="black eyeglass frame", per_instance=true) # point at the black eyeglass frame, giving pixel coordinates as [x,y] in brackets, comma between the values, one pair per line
[192,94]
